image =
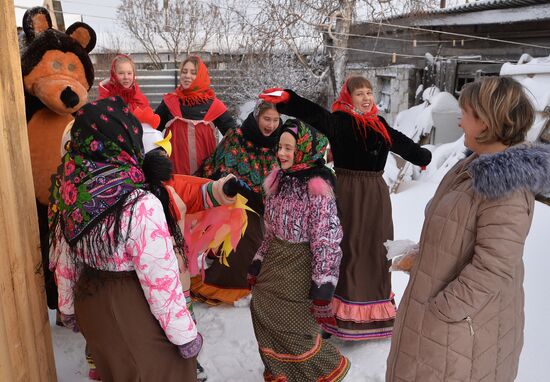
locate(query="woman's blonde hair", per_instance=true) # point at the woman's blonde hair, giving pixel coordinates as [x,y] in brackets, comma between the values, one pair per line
[358,82]
[123,58]
[502,105]
[193,59]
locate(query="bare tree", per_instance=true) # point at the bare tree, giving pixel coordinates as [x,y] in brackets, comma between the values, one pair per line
[174,26]
[309,28]
[261,71]
[108,47]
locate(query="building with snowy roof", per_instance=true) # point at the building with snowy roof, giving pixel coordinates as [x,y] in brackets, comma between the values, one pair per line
[445,47]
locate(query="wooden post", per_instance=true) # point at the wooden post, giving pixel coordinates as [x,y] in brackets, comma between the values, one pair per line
[26,352]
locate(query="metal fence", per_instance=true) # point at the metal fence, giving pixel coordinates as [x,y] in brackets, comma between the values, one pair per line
[156,83]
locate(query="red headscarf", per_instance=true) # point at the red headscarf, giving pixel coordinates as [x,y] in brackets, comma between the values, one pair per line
[132,96]
[369,119]
[199,91]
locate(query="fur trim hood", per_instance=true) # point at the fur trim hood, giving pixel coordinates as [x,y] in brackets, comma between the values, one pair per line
[524,166]
[315,185]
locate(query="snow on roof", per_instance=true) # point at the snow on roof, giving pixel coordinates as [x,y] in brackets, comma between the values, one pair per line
[534,75]
[478,13]
[480,16]
[483,5]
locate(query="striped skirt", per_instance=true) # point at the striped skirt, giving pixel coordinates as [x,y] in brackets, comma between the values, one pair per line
[289,339]
[363,301]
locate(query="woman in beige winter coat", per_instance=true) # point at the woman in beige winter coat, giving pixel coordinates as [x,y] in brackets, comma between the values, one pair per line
[461,317]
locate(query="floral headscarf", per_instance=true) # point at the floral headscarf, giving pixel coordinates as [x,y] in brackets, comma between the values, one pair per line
[310,146]
[370,119]
[199,91]
[100,169]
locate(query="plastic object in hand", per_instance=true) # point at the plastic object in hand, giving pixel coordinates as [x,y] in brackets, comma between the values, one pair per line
[275,95]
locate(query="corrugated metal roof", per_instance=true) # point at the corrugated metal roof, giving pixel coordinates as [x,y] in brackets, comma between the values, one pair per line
[483,5]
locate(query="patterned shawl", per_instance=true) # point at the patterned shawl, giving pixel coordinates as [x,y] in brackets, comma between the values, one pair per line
[101,168]
[245,153]
[310,151]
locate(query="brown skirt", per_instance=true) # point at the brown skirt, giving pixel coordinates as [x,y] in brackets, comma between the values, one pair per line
[289,339]
[126,341]
[363,300]
[228,284]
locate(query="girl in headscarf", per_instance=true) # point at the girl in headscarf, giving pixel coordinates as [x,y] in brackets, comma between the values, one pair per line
[122,83]
[360,140]
[249,153]
[295,271]
[113,253]
[191,113]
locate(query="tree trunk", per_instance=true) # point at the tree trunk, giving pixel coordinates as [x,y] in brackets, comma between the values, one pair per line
[26,352]
[342,27]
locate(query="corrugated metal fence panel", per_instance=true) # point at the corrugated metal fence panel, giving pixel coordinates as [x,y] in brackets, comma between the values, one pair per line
[156,83]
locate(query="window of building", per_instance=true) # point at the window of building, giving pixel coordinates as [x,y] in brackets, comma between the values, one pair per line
[384,84]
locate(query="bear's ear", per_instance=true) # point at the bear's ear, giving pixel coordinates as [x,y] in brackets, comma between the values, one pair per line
[35,21]
[83,34]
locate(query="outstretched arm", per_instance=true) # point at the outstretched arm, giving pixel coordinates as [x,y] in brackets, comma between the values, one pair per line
[407,149]
[292,104]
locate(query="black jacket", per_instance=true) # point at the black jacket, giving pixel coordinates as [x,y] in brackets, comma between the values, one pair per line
[350,150]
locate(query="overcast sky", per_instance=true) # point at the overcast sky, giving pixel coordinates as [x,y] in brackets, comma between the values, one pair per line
[99,14]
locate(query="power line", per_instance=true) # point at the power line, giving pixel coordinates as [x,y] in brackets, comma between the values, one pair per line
[413,41]
[393,54]
[91,4]
[449,33]
[70,13]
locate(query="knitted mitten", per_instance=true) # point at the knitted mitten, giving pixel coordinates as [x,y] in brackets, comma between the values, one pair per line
[191,349]
[322,312]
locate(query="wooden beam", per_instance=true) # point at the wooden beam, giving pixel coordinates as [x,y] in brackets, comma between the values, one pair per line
[26,352]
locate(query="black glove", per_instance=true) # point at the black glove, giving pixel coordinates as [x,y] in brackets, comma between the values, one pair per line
[235,186]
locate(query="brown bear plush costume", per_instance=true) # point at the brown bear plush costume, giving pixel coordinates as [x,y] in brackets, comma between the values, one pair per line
[57,74]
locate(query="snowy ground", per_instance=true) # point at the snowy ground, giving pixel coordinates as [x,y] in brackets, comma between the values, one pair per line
[230,351]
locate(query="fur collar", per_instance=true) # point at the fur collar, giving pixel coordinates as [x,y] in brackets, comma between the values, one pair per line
[524,166]
[315,185]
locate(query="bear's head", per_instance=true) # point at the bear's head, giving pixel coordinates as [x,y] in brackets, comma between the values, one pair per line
[57,70]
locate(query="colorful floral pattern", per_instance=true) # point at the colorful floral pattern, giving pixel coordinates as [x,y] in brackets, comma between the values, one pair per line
[293,214]
[238,156]
[101,167]
[150,254]
[310,145]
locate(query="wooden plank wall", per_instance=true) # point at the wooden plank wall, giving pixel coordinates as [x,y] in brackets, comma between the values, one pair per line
[26,352]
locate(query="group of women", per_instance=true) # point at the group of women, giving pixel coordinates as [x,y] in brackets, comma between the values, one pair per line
[312,253]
